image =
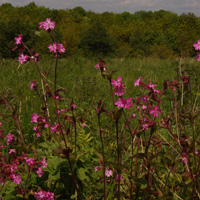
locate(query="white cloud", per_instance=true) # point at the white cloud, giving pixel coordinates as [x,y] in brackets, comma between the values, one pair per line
[125,2]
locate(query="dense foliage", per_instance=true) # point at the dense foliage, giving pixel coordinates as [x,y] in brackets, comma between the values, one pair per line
[161,33]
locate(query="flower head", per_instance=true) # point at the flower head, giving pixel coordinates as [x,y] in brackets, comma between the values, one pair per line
[12,151]
[34,118]
[198,56]
[33,85]
[48,25]
[23,58]
[119,86]
[124,103]
[30,161]
[18,40]
[56,48]
[16,178]
[155,111]
[44,164]
[10,138]
[97,66]
[108,173]
[137,82]
[197,45]
[119,177]
[39,171]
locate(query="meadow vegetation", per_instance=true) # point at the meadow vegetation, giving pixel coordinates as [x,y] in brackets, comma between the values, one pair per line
[73,127]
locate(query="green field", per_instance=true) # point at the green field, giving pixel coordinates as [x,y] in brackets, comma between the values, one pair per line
[151,162]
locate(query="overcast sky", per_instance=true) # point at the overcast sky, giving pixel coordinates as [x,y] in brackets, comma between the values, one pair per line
[117,6]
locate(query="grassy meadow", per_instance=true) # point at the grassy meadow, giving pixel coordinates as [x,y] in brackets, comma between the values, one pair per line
[79,77]
[149,156]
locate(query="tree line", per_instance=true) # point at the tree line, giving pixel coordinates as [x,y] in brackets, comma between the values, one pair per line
[162,33]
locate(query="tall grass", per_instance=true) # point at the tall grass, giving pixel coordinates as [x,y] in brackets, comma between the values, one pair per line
[79,79]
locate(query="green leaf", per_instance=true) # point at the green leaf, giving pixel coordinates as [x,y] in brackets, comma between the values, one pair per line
[81,172]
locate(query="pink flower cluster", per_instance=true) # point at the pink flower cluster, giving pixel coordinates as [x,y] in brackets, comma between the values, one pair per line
[42,195]
[197,48]
[119,86]
[48,25]
[124,103]
[20,46]
[35,165]
[9,172]
[41,122]
[56,48]
[10,138]
[23,58]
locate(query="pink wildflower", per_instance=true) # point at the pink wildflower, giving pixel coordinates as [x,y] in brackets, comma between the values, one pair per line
[151,86]
[35,57]
[134,115]
[121,177]
[137,82]
[119,86]
[13,168]
[33,85]
[23,58]
[30,161]
[34,118]
[40,171]
[117,83]
[144,98]
[56,48]
[12,151]
[144,107]
[53,47]
[155,111]
[42,195]
[119,91]
[83,124]
[0,123]
[97,66]
[198,56]
[48,25]
[60,48]
[197,45]
[10,138]
[108,173]
[184,160]
[124,103]
[16,178]
[145,127]
[73,105]
[44,164]
[96,169]
[38,134]
[55,128]
[119,103]
[18,40]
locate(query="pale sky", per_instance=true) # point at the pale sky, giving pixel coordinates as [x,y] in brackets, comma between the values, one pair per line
[117,6]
